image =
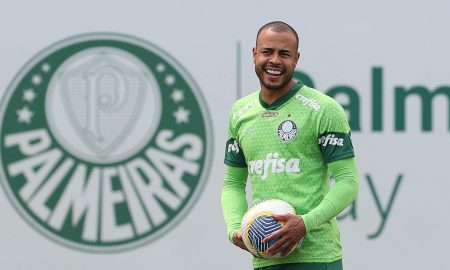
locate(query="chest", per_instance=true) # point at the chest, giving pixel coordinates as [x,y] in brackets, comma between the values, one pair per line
[287,131]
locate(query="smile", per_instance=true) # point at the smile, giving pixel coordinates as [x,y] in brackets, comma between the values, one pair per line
[273,71]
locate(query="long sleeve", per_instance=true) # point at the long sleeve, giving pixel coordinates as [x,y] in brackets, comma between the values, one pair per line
[339,197]
[234,200]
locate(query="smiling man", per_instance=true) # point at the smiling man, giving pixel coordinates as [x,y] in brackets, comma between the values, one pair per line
[300,136]
[275,57]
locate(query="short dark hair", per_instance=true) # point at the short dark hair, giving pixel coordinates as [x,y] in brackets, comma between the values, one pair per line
[279,27]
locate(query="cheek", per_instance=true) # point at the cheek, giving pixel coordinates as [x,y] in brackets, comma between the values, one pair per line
[261,61]
[258,62]
[291,64]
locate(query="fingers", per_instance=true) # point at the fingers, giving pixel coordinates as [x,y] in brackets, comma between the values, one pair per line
[276,247]
[281,217]
[281,240]
[276,234]
[283,245]
[286,249]
[241,245]
[237,235]
[237,240]
[280,232]
[286,237]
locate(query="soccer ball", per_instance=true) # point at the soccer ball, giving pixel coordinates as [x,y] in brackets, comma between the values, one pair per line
[259,223]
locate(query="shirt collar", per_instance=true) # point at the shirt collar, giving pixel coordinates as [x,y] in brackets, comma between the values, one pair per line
[283,99]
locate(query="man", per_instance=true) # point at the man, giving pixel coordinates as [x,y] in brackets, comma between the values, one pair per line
[287,137]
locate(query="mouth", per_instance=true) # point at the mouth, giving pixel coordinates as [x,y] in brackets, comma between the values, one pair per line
[273,71]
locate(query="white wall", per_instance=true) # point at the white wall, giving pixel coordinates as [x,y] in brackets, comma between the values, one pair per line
[340,42]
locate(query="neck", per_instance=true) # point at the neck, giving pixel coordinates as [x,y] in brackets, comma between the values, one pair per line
[270,96]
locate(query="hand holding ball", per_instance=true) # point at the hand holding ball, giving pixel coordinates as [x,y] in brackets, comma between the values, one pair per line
[258,223]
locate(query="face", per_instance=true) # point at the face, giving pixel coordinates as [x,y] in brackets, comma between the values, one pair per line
[275,57]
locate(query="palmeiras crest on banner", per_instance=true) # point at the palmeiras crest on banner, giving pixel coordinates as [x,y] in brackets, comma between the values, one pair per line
[106,142]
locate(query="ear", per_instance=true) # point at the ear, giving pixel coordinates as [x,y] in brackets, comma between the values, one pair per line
[298,58]
[254,54]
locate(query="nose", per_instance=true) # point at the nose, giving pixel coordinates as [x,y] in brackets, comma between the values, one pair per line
[275,58]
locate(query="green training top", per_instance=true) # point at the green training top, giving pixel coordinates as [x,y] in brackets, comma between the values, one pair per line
[286,147]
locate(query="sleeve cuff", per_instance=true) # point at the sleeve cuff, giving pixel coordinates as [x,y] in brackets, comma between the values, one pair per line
[307,222]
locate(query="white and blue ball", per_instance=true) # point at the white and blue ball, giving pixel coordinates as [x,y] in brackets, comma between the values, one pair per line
[258,223]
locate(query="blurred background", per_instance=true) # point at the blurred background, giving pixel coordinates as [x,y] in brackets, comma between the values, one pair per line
[386,62]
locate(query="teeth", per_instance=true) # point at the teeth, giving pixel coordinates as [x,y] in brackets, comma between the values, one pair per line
[273,72]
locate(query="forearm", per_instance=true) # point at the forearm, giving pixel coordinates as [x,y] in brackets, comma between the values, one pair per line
[234,200]
[339,197]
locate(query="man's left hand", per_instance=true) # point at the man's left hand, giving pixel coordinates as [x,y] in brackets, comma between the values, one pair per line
[288,236]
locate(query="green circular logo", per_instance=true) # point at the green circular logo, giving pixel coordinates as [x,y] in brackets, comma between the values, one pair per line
[106,142]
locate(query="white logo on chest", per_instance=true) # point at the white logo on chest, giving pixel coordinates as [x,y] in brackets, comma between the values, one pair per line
[308,102]
[287,130]
[273,164]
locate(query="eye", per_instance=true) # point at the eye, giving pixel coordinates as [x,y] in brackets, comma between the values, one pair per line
[266,51]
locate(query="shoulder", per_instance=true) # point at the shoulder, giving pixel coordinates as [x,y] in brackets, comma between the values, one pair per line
[331,115]
[242,105]
[317,100]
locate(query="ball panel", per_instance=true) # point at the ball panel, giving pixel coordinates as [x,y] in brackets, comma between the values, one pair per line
[259,229]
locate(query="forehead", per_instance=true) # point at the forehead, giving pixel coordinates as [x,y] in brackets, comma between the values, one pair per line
[276,40]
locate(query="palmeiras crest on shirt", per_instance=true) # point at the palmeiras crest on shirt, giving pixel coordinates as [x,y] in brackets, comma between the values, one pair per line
[287,130]
[100,150]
